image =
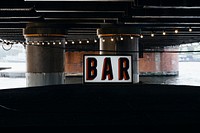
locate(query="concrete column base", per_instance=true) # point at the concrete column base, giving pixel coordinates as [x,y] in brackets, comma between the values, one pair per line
[136,78]
[42,79]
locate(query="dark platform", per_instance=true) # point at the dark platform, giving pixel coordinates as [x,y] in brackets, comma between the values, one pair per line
[101,106]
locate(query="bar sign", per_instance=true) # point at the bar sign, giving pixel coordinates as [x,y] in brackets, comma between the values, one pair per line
[108,69]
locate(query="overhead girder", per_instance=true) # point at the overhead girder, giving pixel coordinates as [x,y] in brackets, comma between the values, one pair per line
[81,19]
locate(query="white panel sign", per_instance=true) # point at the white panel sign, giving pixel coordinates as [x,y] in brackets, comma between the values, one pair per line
[107,69]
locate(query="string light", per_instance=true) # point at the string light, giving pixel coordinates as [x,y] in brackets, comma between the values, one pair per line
[66,42]
[88,41]
[42,43]
[152,35]
[54,43]
[73,42]
[176,31]
[131,37]
[48,43]
[60,43]
[80,42]
[103,40]
[190,29]
[121,38]
[95,41]
[112,39]
[164,33]
[141,36]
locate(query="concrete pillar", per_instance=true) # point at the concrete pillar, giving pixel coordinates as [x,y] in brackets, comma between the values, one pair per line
[120,40]
[45,54]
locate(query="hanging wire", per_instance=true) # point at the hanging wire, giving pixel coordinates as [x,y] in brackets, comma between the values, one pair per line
[7,44]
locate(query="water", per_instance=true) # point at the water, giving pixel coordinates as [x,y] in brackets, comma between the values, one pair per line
[6,83]
[189,74]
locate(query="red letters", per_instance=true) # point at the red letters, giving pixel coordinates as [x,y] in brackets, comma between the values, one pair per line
[107,69]
[91,64]
[123,65]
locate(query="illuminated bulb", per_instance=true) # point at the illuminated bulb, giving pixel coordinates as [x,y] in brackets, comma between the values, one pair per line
[121,38]
[190,29]
[95,41]
[42,43]
[152,35]
[60,43]
[32,43]
[80,42]
[112,39]
[72,42]
[164,33]
[131,38]
[88,41]
[38,43]
[103,40]
[65,42]
[54,43]
[141,36]
[176,31]
[48,43]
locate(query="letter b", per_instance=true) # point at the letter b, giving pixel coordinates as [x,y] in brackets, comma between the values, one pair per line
[91,71]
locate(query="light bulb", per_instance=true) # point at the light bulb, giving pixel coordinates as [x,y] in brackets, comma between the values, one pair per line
[190,29]
[164,33]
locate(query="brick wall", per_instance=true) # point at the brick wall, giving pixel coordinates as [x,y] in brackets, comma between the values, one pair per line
[160,63]
[74,62]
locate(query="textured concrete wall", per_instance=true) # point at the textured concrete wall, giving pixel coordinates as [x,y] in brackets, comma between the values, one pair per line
[160,63]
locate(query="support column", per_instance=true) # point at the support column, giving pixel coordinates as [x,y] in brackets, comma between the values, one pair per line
[121,40]
[45,54]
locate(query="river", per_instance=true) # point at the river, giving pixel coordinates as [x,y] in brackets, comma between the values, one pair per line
[189,74]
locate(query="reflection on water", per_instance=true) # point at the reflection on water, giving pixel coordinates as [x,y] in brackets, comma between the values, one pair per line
[189,74]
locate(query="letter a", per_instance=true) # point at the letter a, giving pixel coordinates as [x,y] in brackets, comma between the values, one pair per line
[107,69]
[91,71]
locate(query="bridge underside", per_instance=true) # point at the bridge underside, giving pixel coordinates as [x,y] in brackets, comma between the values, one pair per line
[82,18]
